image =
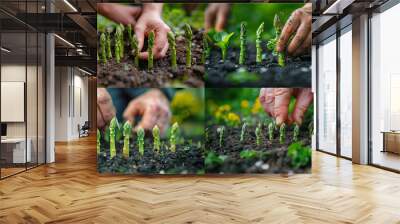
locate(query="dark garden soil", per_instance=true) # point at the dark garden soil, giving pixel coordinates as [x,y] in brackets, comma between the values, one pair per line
[296,72]
[125,74]
[188,159]
[273,155]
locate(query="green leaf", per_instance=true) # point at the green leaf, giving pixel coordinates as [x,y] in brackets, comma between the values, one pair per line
[249,154]
[300,155]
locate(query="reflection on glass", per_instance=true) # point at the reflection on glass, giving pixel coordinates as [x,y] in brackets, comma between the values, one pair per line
[327,96]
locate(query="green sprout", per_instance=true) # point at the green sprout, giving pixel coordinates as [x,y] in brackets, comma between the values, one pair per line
[135,49]
[129,30]
[172,47]
[271,45]
[222,40]
[260,30]
[296,131]
[150,45]
[243,43]
[103,43]
[127,134]
[258,134]
[173,136]
[271,128]
[140,140]
[282,133]
[108,45]
[189,37]
[98,141]
[206,49]
[221,131]
[242,133]
[156,138]
[121,40]
[113,127]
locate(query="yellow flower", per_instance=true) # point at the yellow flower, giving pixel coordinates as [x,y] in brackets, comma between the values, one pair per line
[244,104]
[233,119]
[256,107]
[185,105]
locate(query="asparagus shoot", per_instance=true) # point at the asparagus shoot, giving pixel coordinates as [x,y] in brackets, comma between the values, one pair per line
[260,30]
[243,131]
[113,126]
[156,138]
[173,136]
[189,37]
[103,43]
[150,45]
[243,43]
[282,133]
[140,140]
[135,50]
[172,47]
[127,134]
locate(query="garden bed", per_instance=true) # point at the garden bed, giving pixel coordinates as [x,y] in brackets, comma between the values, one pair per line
[248,157]
[187,159]
[125,74]
[296,72]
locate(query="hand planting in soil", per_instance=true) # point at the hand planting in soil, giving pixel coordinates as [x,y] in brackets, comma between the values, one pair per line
[271,45]
[156,138]
[259,33]
[173,136]
[140,140]
[282,133]
[150,45]
[243,36]
[127,135]
[172,48]
[189,37]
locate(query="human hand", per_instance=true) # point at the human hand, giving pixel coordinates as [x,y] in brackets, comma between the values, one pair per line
[216,16]
[151,20]
[276,103]
[119,13]
[154,109]
[105,108]
[298,24]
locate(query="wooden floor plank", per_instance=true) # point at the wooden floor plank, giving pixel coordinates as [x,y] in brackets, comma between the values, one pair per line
[71,191]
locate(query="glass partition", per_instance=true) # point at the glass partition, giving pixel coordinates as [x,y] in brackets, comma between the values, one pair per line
[326,123]
[385,89]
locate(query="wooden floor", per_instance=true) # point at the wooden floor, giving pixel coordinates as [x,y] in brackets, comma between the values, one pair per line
[70,191]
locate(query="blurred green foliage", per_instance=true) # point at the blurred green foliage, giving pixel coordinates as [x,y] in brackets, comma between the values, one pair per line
[300,155]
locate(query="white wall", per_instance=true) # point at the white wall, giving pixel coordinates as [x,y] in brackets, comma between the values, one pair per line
[71,93]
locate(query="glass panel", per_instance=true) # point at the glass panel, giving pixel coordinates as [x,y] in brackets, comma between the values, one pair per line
[385,84]
[31,97]
[346,94]
[13,85]
[327,96]
[41,99]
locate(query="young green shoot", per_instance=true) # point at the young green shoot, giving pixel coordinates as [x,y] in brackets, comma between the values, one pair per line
[243,43]
[172,48]
[243,132]
[103,43]
[150,45]
[206,49]
[282,133]
[135,50]
[222,40]
[221,131]
[113,127]
[127,131]
[98,142]
[140,140]
[271,128]
[271,45]
[173,136]
[296,132]
[189,36]
[259,33]
[108,42]
[156,139]
[258,134]
[129,31]
[121,40]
